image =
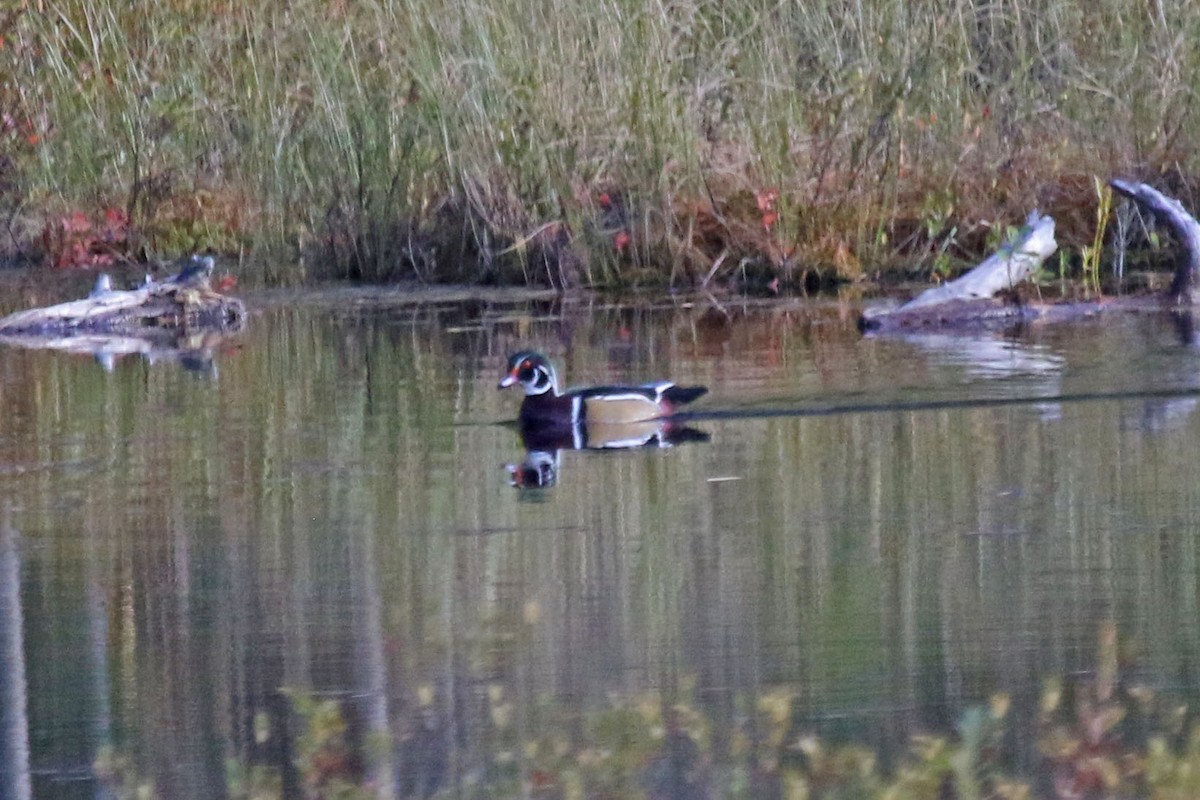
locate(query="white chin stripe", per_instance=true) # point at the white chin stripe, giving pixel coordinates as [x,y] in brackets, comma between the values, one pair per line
[542,382]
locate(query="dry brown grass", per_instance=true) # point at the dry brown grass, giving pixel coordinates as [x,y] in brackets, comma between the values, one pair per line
[615,143]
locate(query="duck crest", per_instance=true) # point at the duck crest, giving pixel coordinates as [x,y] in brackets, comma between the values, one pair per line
[533,371]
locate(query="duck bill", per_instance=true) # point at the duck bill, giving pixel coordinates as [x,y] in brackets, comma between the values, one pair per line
[507,381]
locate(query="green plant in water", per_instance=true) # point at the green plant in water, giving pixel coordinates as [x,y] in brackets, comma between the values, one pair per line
[1092,253]
[324,758]
[937,213]
[252,781]
[1087,730]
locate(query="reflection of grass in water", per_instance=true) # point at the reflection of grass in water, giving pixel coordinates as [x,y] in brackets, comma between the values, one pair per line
[1097,736]
[693,142]
[435,582]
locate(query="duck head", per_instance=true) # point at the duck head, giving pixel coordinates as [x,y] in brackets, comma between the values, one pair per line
[531,370]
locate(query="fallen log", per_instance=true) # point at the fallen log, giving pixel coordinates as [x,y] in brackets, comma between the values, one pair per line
[181,319]
[986,298]
[184,302]
[1183,225]
[1009,266]
[971,299]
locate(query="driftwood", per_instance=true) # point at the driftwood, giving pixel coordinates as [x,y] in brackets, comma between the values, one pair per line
[183,302]
[984,298]
[1009,266]
[180,319]
[1183,225]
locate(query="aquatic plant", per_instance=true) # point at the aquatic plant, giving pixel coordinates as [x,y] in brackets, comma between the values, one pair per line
[1100,736]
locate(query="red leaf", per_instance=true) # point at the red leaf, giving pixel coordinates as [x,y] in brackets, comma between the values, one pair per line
[766,199]
[77,223]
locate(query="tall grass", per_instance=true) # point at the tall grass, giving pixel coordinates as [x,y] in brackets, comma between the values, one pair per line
[613,141]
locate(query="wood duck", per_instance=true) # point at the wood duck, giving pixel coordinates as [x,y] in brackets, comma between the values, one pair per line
[538,470]
[545,406]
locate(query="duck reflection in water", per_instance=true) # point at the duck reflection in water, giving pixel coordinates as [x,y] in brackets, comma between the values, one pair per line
[543,446]
[590,418]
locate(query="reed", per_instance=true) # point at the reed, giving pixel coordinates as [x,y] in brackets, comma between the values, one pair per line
[614,142]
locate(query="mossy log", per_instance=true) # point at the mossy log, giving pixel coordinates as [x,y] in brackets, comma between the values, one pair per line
[985,296]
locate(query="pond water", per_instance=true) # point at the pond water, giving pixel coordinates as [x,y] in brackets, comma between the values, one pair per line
[308,564]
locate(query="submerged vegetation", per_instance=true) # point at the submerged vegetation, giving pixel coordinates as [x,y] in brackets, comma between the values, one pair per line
[614,142]
[1095,736]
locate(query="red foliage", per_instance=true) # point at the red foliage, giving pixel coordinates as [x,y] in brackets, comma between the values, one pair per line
[76,241]
[19,126]
[766,199]
[766,205]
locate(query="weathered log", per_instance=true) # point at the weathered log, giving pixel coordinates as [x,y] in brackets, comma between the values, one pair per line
[983,298]
[181,319]
[185,302]
[1009,266]
[970,299]
[1183,225]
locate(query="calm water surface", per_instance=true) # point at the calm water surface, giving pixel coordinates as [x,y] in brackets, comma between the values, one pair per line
[202,573]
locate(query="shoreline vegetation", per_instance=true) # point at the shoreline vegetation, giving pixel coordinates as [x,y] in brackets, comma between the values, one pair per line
[690,144]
